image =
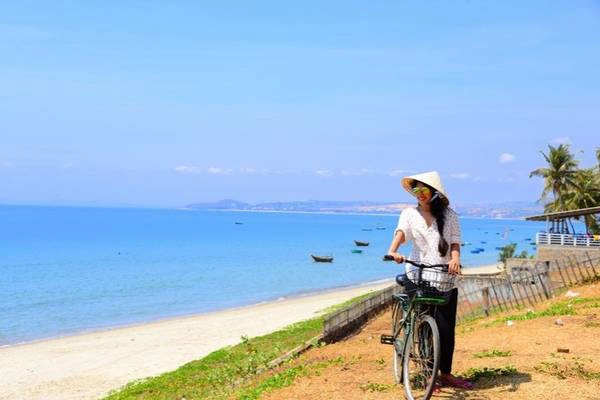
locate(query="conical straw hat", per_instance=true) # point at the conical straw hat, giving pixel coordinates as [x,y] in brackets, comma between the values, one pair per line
[432,179]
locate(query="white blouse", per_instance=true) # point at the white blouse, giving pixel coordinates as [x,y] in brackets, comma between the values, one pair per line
[425,242]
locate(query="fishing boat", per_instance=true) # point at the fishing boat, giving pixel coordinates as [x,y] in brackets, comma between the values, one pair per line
[360,243]
[367,229]
[239,223]
[322,258]
[356,251]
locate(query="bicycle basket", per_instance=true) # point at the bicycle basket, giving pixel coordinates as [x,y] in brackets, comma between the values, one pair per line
[434,282]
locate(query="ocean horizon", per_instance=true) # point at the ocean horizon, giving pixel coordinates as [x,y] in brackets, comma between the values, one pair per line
[68,270]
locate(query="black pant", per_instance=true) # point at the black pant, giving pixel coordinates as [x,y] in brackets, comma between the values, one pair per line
[445,317]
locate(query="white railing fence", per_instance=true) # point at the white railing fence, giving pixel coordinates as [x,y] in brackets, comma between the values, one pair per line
[561,239]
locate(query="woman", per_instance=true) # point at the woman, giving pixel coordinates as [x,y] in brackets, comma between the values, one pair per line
[423,225]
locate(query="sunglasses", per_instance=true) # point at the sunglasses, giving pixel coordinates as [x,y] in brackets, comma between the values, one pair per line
[424,190]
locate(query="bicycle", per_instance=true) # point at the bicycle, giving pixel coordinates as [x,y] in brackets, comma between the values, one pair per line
[415,335]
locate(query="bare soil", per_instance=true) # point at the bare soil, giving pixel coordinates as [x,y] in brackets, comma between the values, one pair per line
[365,367]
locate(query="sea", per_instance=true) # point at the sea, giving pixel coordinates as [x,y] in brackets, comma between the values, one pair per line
[70,270]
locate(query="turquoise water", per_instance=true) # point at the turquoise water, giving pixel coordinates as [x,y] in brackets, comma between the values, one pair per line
[68,270]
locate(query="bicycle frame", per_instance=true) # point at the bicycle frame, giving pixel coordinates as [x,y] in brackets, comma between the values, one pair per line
[413,308]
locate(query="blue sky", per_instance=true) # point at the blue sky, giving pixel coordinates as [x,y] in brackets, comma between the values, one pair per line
[155,104]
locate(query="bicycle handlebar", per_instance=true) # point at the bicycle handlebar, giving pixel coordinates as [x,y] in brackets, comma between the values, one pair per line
[444,267]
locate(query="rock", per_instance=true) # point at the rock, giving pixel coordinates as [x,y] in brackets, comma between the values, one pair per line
[571,294]
[559,322]
[509,323]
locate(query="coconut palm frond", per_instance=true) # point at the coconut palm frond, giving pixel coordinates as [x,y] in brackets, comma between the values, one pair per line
[559,175]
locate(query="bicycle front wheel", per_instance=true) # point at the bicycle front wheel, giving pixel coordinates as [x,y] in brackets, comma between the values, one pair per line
[421,359]
[398,315]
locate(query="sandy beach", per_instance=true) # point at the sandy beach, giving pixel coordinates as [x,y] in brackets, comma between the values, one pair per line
[88,366]
[489,269]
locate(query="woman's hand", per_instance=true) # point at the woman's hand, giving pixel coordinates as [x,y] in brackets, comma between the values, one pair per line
[454,267]
[399,258]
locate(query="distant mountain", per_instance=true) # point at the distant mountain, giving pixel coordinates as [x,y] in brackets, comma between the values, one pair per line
[500,210]
[516,209]
[227,204]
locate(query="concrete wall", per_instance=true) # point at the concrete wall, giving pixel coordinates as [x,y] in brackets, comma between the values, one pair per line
[552,252]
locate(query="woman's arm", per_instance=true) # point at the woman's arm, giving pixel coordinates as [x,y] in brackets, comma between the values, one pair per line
[454,227]
[399,238]
[454,264]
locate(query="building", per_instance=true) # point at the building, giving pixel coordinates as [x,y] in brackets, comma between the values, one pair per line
[560,239]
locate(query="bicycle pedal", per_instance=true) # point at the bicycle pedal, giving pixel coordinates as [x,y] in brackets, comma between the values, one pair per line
[387,339]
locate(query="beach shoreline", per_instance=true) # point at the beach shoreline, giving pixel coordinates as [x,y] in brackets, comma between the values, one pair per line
[467,270]
[291,296]
[89,365]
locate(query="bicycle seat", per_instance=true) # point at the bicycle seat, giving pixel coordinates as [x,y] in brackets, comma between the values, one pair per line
[401,279]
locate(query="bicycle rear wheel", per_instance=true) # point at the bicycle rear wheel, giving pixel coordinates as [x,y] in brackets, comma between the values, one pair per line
[421,359]
[398,315]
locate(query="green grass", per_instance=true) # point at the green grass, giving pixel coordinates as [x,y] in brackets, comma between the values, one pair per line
[282,379]
[555,309]
[377,387]
[223,373]
[332,309]
[485,372]
[565,307]
[567,370]
[492,353]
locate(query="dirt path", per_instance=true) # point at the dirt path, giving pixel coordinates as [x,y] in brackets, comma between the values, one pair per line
[360,368]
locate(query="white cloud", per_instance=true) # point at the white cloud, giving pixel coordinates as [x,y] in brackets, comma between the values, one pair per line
[562,140]
[356,172]
[398,172]
[185,169]
[461,175]
[324,172]
[190,169]
[506,158]
[218,171]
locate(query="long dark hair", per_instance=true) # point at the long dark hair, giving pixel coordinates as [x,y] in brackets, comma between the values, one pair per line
[438,210]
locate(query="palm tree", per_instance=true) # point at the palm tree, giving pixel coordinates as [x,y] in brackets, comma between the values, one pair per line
[585,195]
[559,176]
